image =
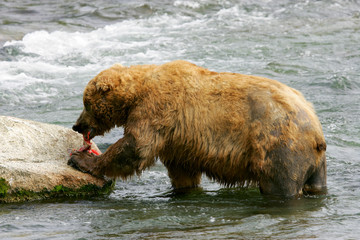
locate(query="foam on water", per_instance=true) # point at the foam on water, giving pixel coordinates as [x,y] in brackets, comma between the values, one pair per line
[189,4]
[99,46]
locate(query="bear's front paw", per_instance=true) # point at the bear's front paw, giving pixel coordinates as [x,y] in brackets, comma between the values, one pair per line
[84,162]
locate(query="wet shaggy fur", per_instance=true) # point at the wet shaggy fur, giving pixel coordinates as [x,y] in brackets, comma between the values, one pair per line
[237,129]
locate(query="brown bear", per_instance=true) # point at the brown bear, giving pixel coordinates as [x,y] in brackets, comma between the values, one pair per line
[237,129]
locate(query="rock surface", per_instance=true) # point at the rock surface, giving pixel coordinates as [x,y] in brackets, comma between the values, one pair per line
[33,163]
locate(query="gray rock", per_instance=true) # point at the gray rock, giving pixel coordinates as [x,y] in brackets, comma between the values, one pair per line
[33,163]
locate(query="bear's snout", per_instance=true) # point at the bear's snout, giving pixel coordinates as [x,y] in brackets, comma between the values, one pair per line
[77,128]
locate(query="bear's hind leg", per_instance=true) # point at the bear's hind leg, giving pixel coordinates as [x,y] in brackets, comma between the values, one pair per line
[280,187]
[316,184]
[183,178]
[294,173]
[286,173]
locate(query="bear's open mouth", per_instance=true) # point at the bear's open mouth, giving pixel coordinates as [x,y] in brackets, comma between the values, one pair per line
[88,136]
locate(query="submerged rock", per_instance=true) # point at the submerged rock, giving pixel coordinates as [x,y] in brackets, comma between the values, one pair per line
[33,163]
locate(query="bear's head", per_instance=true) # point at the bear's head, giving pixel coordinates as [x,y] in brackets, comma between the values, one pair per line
[104,104]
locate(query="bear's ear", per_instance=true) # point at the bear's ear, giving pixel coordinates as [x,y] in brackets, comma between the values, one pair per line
[104,84]
[117,66]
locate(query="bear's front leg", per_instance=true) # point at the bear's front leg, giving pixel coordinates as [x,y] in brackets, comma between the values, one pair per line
[120,159]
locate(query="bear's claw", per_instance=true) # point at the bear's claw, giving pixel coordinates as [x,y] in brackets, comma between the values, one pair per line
[73,164]
[84,162]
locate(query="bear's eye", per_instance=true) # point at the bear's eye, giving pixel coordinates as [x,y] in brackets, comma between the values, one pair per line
[87,106]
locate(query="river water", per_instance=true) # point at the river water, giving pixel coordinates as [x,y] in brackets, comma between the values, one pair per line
[49,50]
